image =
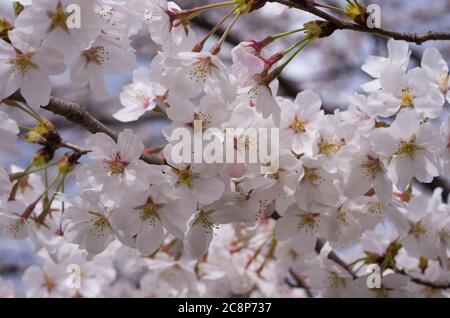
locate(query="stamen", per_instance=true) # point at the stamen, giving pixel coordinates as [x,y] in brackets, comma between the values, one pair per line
[116,165]
[59,18]
[201,69]
[21,64]
[313,176]
[97,55]
[408,148]
[297,125]
[407,97]
[186,177]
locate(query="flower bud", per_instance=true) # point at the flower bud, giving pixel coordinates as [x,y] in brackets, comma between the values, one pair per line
[68,162]
[34,138]
[319,29]
[45,128]
[356,12]
[43,156]
[251,5]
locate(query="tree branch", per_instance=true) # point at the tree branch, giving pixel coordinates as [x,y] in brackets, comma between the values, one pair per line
[299,282]
[423,282]
[79,115]
[418,38]
[335,258]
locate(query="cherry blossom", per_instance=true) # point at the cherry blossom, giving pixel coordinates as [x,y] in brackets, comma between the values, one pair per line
[437,69]
[115,165]
[140,97]
[336,197]
[406,90]
[412,146]
[398,54]
[27,67]
[99,59]
[300,120]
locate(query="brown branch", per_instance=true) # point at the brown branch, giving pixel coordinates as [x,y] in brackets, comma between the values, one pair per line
[335,258]
[418,38]
[423,282]
[299,282]
[79,115]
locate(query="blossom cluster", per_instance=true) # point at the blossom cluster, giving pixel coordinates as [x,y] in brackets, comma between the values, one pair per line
[350,178]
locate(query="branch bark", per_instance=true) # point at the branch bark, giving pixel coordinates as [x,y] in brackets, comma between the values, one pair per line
[418,38]
[79,115]
[425,283]
[335,258]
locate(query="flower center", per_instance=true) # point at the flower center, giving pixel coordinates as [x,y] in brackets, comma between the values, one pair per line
[370,168]
[200,70]
[149,15]
[149,210]
[328,147]
[49,283]
[206,119]
[100,223]
[308,222]
[297,125]
[408,148]
[206,223]
[21,63]
[407,97]
[313,176]
[444,83]
[144,100]
[59,18]
[342,216]
[186,177]
[15,227]
[116,165]
[97,55]
[418,230]
[374,209]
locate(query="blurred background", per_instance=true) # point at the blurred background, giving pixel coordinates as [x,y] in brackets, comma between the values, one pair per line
[331,67]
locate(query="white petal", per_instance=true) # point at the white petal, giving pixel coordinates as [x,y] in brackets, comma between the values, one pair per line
[150,236]
[36,88]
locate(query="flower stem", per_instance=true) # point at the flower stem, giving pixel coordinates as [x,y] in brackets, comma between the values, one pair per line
[16,104]
[194,12]
[280,35]
[31,207]
[47,208]
[277,71]
[20,175]
[216,49]
[199,46]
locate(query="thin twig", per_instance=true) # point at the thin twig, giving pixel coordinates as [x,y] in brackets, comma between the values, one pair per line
[299,283]
[424,282]
[79,115]
[418,38]
[335,258]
